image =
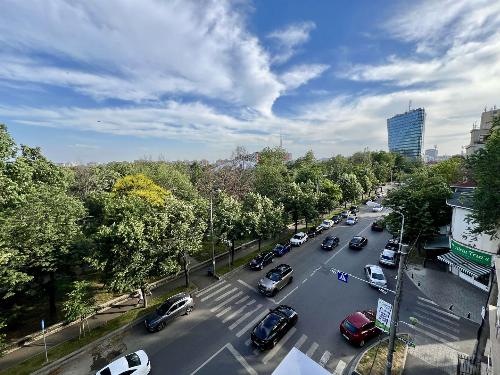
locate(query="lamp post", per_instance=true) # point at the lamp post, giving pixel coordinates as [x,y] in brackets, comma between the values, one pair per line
[395,307]
[212,233]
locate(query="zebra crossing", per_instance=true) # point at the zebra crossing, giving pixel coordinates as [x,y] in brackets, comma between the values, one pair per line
[240,310]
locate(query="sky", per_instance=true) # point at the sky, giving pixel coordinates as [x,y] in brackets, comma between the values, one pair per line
[97,81]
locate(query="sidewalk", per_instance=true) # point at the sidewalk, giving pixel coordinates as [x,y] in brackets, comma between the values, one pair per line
[199,278]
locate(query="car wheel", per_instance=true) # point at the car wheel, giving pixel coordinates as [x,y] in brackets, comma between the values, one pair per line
[273,293]
[362,343]
[261,267]
[188,310]
[290,280]
[161,326]
[275,342]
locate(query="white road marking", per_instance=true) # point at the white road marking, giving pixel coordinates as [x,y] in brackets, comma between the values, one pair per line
[252,323]
[241,360]
[343,247]
[208,360]
[225,294]
[324,358]
[452,316]
[278,346]
[223,311]
[229,317]
[281,300]
[312,349]
[247,285]
[300,341]
[313,272]
[438,331]
[204,291]
[225,302]
[437,338]
[242,300]
[427,314]
[445,325]
[216,292]
[428,301]
[303,281]
[340,368]
[238,322]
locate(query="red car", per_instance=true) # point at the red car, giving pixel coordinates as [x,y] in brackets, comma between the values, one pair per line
[359,327]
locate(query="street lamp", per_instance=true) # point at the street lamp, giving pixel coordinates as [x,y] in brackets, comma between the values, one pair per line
[395,308]
[212,231]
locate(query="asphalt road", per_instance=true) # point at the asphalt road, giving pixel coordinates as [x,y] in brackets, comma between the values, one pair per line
[214,338]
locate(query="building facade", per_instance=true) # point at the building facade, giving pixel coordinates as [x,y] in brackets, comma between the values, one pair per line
[431,155]
[479,135]
[406,133]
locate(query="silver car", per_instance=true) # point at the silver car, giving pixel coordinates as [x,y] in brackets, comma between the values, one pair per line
[180,304]
[375,276]
[275,280]
[388,257]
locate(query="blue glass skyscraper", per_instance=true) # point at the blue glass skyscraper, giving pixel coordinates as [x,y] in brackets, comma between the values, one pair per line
[406,133]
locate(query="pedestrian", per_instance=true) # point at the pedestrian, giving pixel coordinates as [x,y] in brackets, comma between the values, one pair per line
[141,298]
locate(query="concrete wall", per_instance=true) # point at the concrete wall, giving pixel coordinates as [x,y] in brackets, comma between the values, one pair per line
[459,232]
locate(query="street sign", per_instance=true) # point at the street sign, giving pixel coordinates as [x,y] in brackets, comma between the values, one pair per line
[44,342]
[43,324]
[342,276]
[384,315]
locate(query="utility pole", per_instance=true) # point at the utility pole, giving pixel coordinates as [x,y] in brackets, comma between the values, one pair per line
[212,232]
[395,307]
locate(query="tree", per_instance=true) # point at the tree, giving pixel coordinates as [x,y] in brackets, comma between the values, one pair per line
[228,224]
[2,335]
[271,174]
[292,201]
[452,170]
[485,166]
[351,188]
[143,187]
[329,195]
[80,304]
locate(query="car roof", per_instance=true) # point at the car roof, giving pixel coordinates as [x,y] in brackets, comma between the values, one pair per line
[375,268]
[282,267]
[358,319]
[357,238]
[121,364]
[388,252]
[299,234]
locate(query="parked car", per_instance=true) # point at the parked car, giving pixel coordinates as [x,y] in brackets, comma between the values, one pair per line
[358,242]
[180,304]
[261,260]
[327,224]
[314,231]
[345,213]
[136,363]
[298,239]
[336,219]
[377,227]
[354,209]
[275,280]
[273,327]
[330,242]
[280,250]
[351,220]
[392,244]
[375,276]
[388,257]
[377,208]
[359,327]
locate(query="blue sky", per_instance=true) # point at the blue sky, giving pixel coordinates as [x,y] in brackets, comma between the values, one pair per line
[101,81]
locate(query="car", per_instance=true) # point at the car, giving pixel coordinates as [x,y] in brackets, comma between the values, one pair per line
[273,327]
[298,239]
[377,208]
[336,219]
[392,244]
[280,250]
[358,242]
[351,220]
[359,327]
[377,227]
[327,224]
[180,304]
[330,242]
[275,280]
[345,213]
[314,231]
[388,258]
[261,260]
[136,363]
[375,276]
[354,209]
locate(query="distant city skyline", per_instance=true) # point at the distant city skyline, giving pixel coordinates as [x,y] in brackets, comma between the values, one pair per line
[406,133]
[186,81]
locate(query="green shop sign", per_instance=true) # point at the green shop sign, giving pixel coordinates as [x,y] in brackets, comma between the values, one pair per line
[471,254]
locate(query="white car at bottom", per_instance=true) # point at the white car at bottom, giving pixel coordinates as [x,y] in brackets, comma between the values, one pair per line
[298,239]
[136,363]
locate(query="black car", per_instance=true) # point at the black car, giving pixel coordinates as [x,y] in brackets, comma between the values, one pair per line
[336,219]
[180,304]
[330,242]
[358,242]
[392,244]
[273,327]
[345,213]
[377,227]
[354,209]
[314,231]
[261,260]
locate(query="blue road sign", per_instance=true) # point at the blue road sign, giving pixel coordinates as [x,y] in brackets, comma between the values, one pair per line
[43,325]
[342,276]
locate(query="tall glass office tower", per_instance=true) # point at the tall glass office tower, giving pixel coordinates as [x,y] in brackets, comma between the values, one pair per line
[406,133]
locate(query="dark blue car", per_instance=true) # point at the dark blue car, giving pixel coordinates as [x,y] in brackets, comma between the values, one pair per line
[280,250]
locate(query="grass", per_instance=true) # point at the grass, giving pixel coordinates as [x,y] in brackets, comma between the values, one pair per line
[379,362]
[59,351]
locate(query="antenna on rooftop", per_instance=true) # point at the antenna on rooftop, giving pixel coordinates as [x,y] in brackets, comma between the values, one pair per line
[409,106]
[281,139]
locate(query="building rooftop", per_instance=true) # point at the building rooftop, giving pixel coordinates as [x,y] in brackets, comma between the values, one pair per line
[461,198]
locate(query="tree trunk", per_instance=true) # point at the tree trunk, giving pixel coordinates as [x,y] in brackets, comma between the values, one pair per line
[296,224]
[232,253]
[51,287]
[306,223]
[259,243]
[186,270]
[144,296]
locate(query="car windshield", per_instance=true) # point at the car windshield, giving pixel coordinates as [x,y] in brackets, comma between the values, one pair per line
[264,329]
[378,276]
[278,247]
[273,275]
[348,325]
[297,237]
[356,240]
[387,257]
[106,371]
[133,360]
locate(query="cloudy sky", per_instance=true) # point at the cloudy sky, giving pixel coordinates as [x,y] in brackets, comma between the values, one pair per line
[120,80]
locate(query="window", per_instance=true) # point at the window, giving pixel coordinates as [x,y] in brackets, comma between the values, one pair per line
[128,372]
[133,360]
[182,303]
[106,371]
[368,326]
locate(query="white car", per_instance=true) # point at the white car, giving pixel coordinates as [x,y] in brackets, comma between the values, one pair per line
[351,220]
[134,363]
[298,239]
[327,224]
[377,208]
[375,276]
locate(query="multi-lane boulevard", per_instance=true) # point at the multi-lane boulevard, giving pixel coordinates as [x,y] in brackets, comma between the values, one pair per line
[215,337]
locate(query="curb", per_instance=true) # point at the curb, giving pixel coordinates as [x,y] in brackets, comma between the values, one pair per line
[61,361]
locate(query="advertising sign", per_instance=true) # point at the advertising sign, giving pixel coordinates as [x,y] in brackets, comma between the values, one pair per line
[384,315]
[471,254]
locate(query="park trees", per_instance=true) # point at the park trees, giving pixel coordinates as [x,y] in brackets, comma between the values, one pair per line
[80,304]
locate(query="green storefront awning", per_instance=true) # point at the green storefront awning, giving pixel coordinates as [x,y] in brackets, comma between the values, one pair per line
[471,254]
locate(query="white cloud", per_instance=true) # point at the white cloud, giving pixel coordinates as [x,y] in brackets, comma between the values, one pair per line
[301,74]
[289,38]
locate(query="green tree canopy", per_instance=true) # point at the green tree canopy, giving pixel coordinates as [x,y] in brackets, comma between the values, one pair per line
[141,186]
